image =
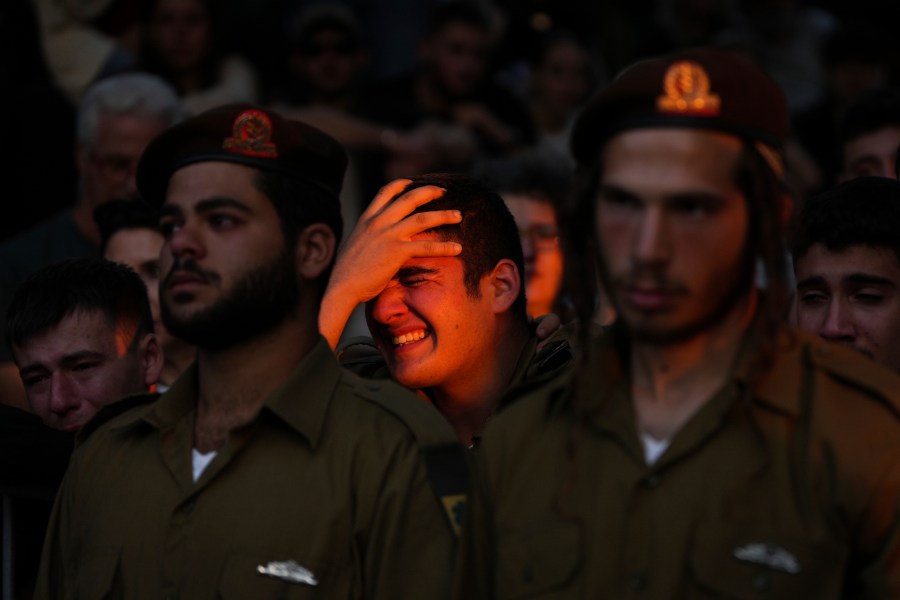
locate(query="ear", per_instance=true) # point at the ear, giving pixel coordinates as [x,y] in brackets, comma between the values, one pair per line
[315,250]
[151,358]
[502,285]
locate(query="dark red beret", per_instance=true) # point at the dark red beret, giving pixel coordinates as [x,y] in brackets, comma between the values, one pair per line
[245,134]
[704,88]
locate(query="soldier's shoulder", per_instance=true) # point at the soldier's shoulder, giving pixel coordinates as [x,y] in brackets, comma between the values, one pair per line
[360,356]
[124,412]
[845,374]
[385,400]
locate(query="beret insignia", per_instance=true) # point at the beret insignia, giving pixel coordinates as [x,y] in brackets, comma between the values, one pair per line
[251,135]
[686,91]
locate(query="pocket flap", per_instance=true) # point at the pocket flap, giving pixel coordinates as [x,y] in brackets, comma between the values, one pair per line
[543,558]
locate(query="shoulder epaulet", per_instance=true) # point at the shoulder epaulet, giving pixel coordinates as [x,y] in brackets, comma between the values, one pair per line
[111,411]
[446,459]
[360,355]
[847,365]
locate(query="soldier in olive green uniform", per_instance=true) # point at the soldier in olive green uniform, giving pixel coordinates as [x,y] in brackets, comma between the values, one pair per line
[701,450]
[266,470]
[438,261]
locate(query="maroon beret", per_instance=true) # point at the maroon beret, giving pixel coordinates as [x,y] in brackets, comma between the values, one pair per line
[245,134]
[703,88]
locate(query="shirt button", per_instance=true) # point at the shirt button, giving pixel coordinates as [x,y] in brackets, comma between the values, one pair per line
[637,582]
[761,582]
[652,481]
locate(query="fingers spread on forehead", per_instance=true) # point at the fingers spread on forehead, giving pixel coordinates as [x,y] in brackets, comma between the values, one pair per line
[385,195]
[432,248]
[423,221]
[404,204]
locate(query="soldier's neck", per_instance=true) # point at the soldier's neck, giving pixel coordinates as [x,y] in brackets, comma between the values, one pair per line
[670,382]
[467,401]
[234,383]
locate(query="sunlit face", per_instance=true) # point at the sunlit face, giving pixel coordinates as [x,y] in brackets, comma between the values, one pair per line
[539,233]
[227,274]
[73,369]
[852,296]
[430,331]
[672,227]
[180,31]
[107,166]
[560,81]
[873,153]
[457,57]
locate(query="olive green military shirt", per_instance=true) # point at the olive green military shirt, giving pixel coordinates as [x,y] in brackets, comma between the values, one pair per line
[533,367]
[783,488]
[322,495]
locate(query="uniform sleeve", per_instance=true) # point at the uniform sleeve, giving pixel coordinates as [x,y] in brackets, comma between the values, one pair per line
[411,550]
[879,575]
[474,575]
[56,575]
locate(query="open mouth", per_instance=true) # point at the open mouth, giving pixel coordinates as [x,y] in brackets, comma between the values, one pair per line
[409,337]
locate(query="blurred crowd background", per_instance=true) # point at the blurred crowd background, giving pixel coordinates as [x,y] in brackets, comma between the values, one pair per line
[406,92]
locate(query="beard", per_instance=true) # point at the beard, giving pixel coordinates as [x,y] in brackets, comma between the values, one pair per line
[738,285]
[255,305]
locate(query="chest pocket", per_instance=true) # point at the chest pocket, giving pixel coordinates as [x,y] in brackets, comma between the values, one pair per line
[266,575]
[97,575]
[744,563]
[541,560]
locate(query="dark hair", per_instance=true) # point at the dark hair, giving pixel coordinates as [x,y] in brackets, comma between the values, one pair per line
[299,204]
[870,112]
[117,215]
[488,232]
[864,211]
[457,11]
[152,60]
[531,173]
[68,286]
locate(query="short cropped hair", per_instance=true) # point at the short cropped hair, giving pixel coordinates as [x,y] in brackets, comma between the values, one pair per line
[299,204]
[872,111]
[139,94]
[537,174]
[864,211]
[74,285]
[487,233]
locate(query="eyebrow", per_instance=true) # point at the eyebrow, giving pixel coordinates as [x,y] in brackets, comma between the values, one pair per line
[206,205]
[616,192]
[67,361]
[857,278]
[405,272]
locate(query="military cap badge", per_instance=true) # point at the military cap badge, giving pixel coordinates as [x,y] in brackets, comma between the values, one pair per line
[686,91]
[251,135]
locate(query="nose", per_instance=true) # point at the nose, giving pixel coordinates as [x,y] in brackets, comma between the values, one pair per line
[184,241]
[63,395]
[837,324]
[388,305]
[652,243]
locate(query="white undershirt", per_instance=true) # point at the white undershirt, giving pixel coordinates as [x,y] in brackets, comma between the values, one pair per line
[653,448]
[200,461]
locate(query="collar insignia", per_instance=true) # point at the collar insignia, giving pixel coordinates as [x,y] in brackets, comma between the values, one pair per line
[686,91]
[251,135]
[288,570]
[769,555]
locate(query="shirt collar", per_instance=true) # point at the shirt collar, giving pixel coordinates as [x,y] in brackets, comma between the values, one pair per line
[301,401]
